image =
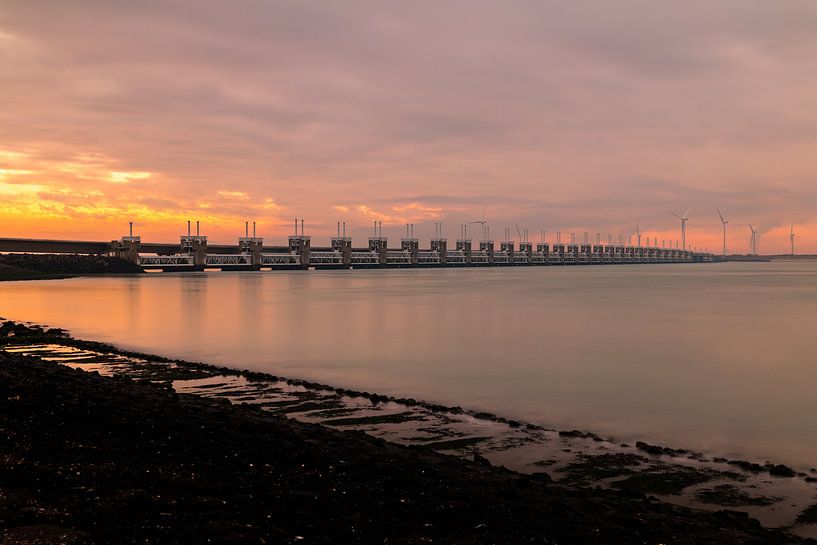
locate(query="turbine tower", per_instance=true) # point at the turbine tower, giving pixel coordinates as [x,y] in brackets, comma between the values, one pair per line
[791,238]
[753,240]
[683,219]
[482,222]
[724,222]
[638,234]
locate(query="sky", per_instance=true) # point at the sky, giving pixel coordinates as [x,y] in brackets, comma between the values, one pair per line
[570,116]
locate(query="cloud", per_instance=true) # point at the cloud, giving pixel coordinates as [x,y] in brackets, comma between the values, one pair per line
[564,116]
[237,195]
[9,173]
[125,177]
[420,209]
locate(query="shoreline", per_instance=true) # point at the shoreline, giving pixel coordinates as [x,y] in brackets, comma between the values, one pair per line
[135,461]
[61,336]
[591,462]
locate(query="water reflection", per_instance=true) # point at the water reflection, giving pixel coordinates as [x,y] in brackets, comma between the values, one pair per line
[702,356]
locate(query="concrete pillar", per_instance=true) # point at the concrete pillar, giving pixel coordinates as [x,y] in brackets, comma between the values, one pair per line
[411,245]
[487,246]
[526,248]
[301,244]
[252,246]
[440,245]
[559,250]
[200,253]
[507,246]
[464,245]
[195,245]
[127,248]
[379,245]
[343,245]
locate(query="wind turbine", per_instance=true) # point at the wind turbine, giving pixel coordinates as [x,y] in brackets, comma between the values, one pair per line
[683,219]
[482,221]
[791,237]
[724,222]
[638,234]
[753,239]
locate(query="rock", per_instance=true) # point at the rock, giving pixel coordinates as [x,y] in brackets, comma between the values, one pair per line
[482,460]
[541,476]
[649,449]
[780,470]
[658,450]
[747,466]
[573,433]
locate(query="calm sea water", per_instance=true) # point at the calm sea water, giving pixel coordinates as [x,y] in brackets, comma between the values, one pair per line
[717,357]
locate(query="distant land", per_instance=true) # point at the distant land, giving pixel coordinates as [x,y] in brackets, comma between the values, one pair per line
[773,257]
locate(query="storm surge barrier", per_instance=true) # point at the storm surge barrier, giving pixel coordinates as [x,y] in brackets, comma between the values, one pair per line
[193,253]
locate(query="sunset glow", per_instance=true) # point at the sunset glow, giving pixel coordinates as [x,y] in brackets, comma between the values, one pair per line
[345,115]
[461,271]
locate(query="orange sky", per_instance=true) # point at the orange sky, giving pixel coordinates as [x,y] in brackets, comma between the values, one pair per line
[571,117]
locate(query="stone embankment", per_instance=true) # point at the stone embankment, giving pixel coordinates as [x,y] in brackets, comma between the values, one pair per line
[43,266]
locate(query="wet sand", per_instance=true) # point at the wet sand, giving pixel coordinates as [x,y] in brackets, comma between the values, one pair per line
[242,459]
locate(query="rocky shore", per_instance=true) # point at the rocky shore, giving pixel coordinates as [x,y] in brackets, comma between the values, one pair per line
[44,266]
[94,459]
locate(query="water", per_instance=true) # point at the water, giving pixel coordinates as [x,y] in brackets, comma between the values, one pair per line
[715,357]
